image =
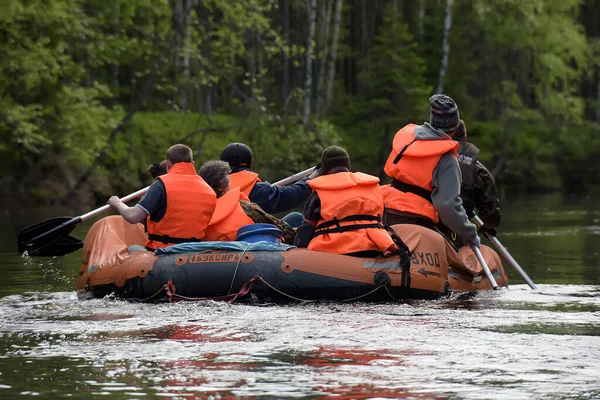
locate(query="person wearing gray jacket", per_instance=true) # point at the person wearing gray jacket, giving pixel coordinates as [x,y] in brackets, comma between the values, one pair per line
[426,177]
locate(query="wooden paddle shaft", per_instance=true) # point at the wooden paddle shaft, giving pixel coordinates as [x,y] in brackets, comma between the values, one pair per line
[106,207]
[295,177]
[506,254]
[485,267]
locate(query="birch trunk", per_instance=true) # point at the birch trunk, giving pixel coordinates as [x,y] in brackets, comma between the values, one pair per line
[421,20]
[186,19]
[285,87]
[325,24]
[333,55]
[177,21]
[445,47]
[312,17]
[598,97]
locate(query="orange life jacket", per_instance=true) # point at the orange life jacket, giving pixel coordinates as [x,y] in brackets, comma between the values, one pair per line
[351,211]
[228,217]
[245,180]
[411,164]
[190,206]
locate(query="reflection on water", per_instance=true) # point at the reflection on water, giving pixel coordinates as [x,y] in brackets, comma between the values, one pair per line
[492,345]
[515,343]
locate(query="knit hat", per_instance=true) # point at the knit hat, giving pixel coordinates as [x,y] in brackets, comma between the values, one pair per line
[334,156]
[461,131]
[444,113]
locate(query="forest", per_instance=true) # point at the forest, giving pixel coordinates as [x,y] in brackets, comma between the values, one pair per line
[93,91]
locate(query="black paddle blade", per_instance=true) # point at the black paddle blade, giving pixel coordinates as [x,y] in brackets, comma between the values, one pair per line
[60,247]
[36,237]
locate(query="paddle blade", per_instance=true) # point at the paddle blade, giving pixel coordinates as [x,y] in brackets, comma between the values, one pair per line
[36,237]
[60,247]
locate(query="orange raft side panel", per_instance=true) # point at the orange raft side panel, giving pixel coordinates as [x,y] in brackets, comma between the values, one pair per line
[460,268]
[105,256]
[430,253]
[493,261]
[428,268]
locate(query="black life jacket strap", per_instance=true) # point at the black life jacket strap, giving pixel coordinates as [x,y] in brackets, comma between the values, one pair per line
[408,188]
[334,225]
[405,256]
[166,239]
[399,156]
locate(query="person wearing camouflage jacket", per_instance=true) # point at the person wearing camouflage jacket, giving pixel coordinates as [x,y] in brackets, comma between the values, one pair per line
[259,216]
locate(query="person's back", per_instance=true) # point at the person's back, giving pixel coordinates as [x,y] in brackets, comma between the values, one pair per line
[272,199]
[178,206]
[229,216]
[425,173]
[234,209]
[478,189]
[343,215]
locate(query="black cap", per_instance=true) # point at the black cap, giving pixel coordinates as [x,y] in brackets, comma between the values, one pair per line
[238,155]
[444,113]
[334,156]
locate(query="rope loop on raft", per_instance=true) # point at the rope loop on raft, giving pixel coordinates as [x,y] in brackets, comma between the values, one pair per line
[171,291]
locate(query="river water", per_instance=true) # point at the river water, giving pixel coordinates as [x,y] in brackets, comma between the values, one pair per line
[516,343]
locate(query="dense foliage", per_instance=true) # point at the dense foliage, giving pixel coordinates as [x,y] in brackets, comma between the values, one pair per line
[92,91]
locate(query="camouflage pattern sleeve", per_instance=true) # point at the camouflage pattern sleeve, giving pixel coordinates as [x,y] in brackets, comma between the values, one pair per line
[259,216]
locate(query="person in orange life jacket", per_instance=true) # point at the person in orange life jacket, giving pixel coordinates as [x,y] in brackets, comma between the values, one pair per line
[478,190]
[234,209]
[426,177]
[343,214]
[178,206]
[272,199]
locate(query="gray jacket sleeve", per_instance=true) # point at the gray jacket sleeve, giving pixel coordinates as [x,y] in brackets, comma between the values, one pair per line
[446,197]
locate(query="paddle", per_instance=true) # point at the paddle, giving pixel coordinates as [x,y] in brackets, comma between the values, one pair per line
[506,254]
[295,177]
[51,237]
[485,267]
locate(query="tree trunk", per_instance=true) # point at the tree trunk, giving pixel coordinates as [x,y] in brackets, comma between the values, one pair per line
[333,55]
[312,16]
[114,68]
[598,97]
[421,20]
[324,30]
[445,47]
[186,54]
[285,87]
[177,22]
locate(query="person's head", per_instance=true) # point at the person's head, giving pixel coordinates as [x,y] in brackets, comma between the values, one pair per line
[238,155]
[461,131]
[443,113]
[179,153]
[334,157]
[158,169]
[216,174]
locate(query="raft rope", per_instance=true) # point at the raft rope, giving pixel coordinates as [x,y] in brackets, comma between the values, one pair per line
[169,288]
[236,269]
[371,292]
[159,291]
[283,293]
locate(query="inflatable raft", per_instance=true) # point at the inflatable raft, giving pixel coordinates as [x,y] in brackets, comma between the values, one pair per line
[114,263]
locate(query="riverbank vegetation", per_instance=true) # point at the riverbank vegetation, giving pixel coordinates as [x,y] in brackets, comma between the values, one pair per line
[92,91]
